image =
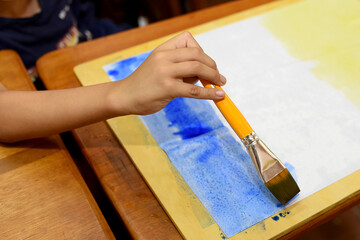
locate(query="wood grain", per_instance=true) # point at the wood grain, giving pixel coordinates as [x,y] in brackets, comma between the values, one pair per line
[42,194]
[133,200]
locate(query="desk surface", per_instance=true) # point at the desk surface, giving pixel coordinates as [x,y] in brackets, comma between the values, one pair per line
[42,194]
[141,212]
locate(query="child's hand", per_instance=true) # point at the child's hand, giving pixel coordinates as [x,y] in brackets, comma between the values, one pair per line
[170,72]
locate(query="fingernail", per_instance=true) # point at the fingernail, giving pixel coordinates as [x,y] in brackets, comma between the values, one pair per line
[222,79]
[220,93]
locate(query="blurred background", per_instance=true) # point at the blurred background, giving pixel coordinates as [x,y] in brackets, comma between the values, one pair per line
[139,12]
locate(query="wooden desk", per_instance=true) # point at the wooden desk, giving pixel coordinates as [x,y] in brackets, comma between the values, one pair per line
[42,194]
[133,200]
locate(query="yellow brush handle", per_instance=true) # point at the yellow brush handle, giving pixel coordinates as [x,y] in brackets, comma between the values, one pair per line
[231,113]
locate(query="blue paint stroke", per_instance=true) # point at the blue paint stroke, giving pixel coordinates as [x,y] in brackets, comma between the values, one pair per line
[122,69]
[212,162]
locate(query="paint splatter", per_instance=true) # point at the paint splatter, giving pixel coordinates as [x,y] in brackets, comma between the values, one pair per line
[280,215]
[222,235]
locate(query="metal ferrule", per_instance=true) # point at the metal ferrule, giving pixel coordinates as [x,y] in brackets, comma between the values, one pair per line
[265,161]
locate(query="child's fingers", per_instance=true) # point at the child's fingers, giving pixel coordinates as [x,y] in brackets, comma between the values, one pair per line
[191,80]
[183,40]
[193,91]
[199,70]
[190,54]
[190,40]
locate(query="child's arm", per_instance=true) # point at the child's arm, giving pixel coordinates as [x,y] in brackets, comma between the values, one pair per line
[168,72]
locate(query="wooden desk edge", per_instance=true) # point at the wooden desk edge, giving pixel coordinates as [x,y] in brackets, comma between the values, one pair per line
[26,79]
[323,218]
[90,198]
[28,85]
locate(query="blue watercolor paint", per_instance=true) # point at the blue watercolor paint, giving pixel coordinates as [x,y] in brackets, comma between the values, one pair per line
[281,214]
[284,214]
[122,69]
[189,125]
[291,169]
[212,162]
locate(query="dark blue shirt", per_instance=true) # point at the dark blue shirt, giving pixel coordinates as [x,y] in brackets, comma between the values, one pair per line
[45,31]
[59,24]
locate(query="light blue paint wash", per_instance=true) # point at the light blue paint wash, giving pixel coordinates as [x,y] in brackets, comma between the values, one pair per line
[211,161]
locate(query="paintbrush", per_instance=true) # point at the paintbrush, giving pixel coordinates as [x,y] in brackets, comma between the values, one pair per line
[273,173]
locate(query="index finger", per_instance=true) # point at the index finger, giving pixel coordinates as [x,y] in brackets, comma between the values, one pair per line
[183,40]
